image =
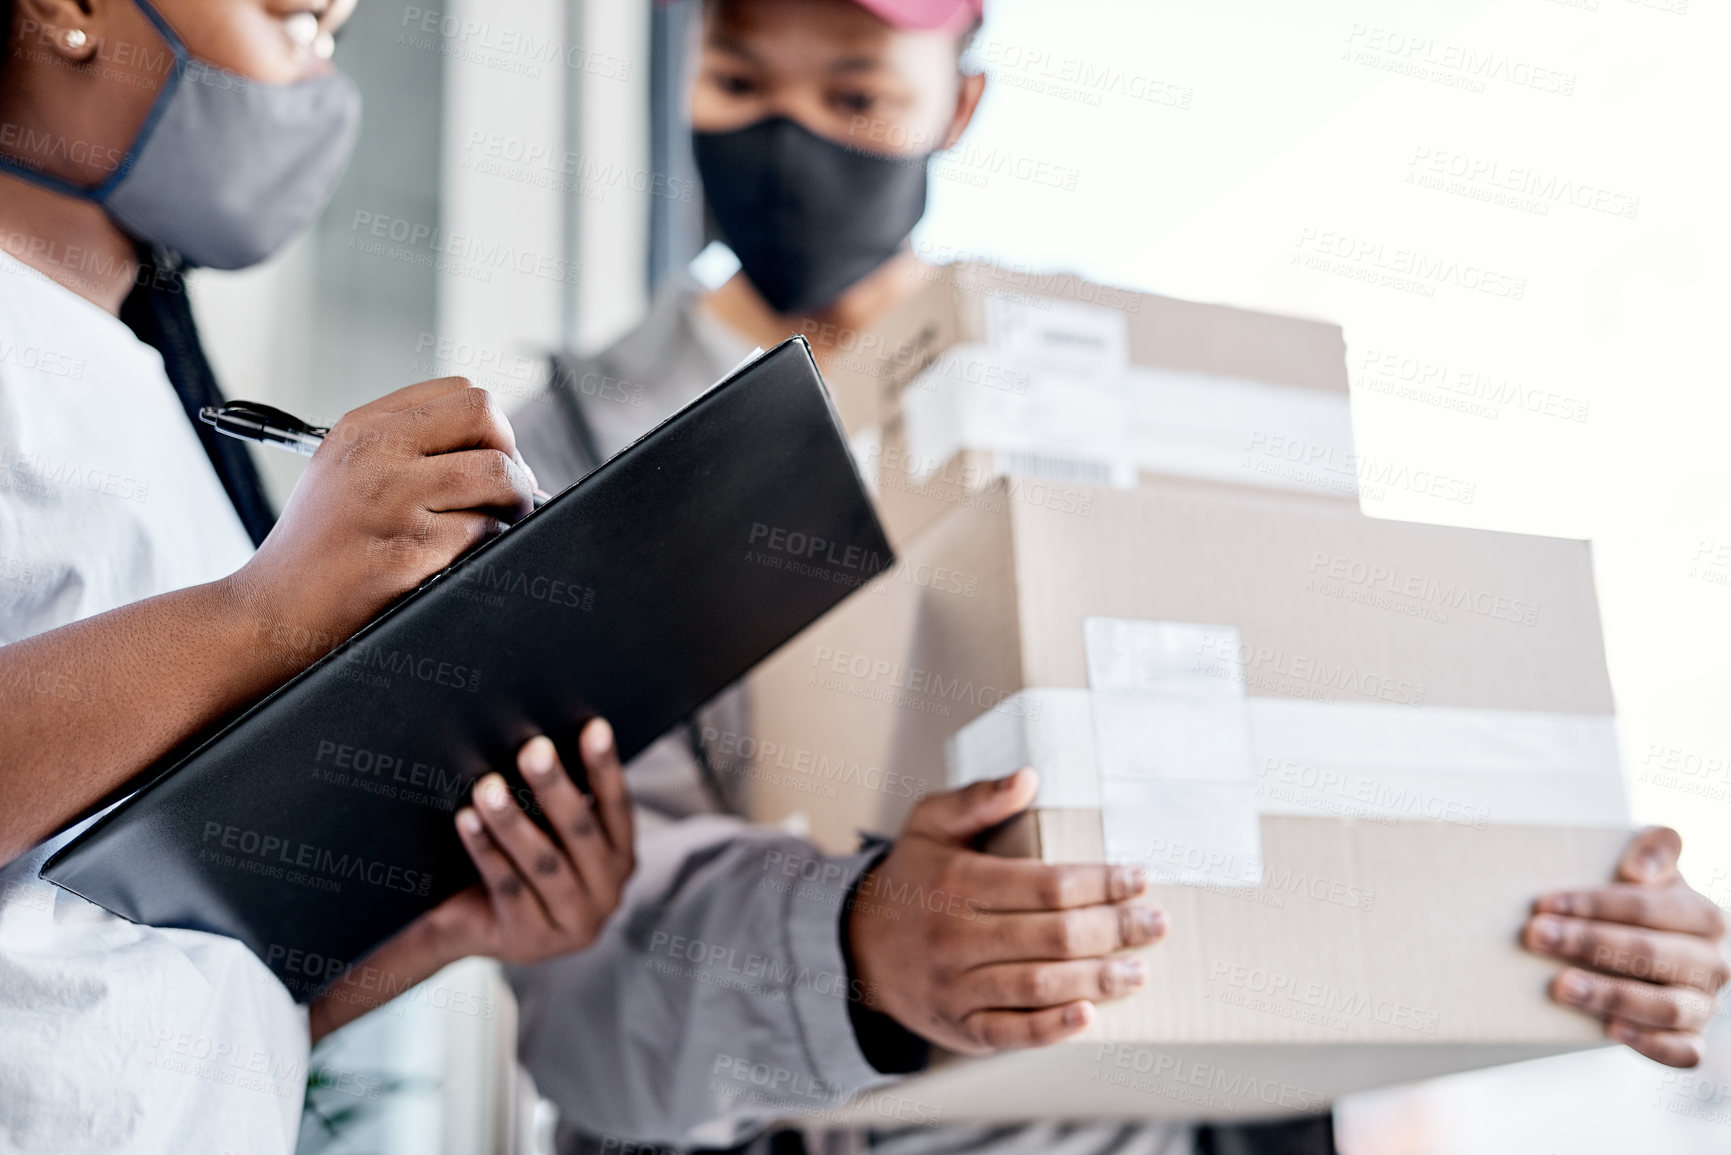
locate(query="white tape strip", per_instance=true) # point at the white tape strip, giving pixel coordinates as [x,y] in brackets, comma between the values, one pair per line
[1106,426]
[1364,760]
[1245,432]
[1050,730]
[1471,767]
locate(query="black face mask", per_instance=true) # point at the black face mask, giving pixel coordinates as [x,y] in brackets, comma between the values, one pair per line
[806,216]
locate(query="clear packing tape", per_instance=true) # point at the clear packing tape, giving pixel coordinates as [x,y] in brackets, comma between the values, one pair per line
[1182,763]
[1052,392]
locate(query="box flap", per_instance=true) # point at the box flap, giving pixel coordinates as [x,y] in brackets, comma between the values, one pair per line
[1331,606]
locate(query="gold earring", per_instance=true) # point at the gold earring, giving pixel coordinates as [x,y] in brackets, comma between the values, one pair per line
[75,38]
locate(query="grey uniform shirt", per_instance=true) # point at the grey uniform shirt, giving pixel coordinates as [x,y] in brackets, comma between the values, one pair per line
[717,999]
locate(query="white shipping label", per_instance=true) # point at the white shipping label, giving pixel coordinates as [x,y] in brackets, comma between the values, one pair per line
[1050,333]
[1184,833]
[1172,750]
[1171,734]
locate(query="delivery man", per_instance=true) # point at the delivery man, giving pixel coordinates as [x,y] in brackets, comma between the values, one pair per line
[814,122]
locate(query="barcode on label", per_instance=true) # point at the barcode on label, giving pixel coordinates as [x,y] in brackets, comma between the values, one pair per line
[1025,463]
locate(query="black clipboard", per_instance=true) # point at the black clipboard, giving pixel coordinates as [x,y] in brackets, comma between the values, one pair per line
[319,822]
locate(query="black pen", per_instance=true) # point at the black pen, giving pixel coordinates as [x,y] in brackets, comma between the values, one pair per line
[268,425]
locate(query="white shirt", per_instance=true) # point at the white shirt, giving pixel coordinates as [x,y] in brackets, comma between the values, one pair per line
[116,1037]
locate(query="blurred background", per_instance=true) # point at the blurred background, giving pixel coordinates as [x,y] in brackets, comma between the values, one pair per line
[524,181]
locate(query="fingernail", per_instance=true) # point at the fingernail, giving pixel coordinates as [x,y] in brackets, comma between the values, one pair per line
[536,757]
[1648,865]
[1622,1032]
[1076,1014]
[492,792]
[1546,932]
[468,821]
[1147,922]
[1008,781]
[1130,972]
[597,737]
[1128,881]
[1572,988]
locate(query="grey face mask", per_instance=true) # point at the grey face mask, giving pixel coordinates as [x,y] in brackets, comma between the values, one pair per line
[225,171]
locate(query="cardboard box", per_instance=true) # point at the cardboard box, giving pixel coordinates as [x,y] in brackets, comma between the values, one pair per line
[987,372]
[1424,743]
[960,302]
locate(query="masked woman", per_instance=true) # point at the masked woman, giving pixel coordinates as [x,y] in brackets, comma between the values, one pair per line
[134,610]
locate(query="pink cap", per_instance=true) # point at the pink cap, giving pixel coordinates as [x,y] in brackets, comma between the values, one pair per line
[933,15]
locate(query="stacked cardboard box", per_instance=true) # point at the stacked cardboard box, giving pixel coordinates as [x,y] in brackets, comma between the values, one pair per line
[988,372]
[1349,751]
